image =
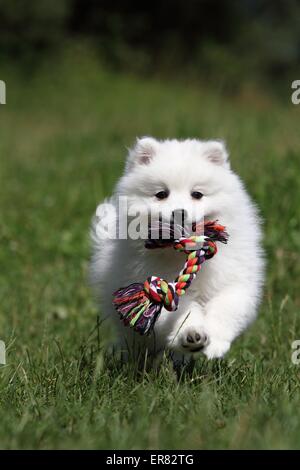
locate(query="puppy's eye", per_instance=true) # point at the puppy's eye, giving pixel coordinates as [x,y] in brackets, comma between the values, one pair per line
[162,194]
[196,195]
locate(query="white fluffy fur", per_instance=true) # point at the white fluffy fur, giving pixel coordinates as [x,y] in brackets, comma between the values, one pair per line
[223,299]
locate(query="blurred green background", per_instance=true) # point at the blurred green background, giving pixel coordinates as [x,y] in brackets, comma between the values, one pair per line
[83,79]
[227,42]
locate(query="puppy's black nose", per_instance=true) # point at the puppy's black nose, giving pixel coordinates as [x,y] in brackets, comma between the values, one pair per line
[179,219]
[178,222]
[179,215]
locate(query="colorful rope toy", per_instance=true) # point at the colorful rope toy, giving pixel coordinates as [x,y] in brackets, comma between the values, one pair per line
[140,304]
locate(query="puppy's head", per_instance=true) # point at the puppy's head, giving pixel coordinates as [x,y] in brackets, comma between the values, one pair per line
[190,178]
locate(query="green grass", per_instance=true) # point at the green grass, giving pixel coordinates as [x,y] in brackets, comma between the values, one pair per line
[63,135]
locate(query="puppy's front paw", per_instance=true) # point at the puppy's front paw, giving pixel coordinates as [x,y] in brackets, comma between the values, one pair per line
[216,348]
[193,340]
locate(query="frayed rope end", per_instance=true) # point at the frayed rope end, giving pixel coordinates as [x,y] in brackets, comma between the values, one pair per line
[136,309]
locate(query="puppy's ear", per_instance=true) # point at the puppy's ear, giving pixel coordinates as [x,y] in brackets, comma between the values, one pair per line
[142,153]
[216,152]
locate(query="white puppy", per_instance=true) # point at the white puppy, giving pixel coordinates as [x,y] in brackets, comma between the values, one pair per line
[195,177]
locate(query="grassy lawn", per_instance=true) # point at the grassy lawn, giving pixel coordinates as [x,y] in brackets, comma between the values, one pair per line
[63,134]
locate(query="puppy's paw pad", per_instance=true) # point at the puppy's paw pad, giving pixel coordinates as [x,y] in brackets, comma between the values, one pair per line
[194,340]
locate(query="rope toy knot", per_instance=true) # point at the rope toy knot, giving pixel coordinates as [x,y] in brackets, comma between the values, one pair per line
[162,292]
[140,304]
